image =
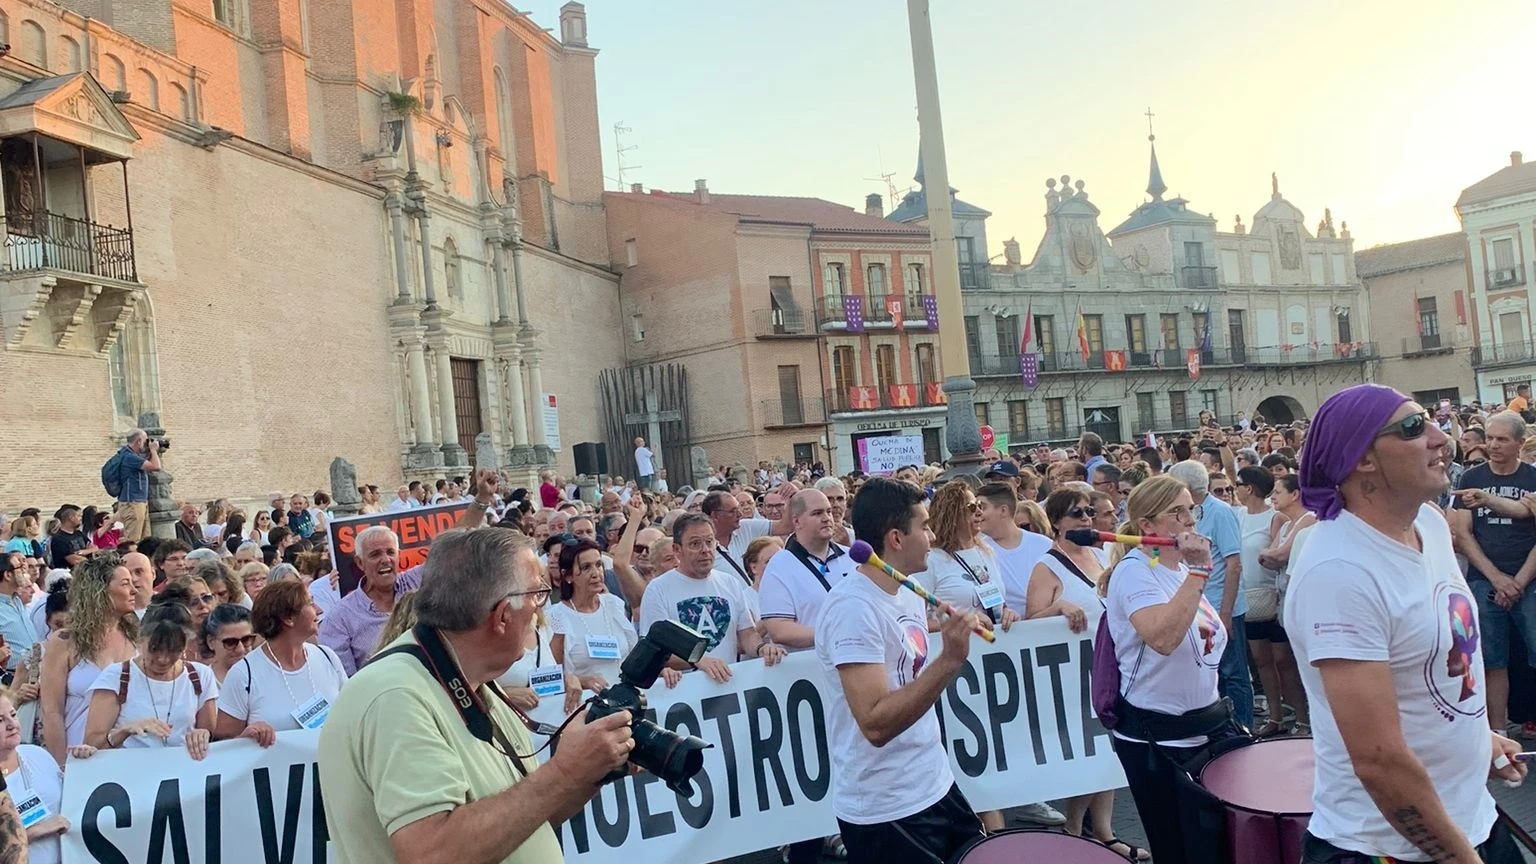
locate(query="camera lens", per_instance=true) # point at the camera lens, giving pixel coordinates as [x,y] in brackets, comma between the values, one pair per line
[672,757]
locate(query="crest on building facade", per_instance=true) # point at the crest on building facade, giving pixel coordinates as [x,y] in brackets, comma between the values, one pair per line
[1085,253]
[1290,248]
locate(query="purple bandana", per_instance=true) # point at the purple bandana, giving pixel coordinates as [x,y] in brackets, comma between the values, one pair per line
[1345,427]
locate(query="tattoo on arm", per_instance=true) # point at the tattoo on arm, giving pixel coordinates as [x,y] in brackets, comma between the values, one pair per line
[1409,822]
[13,839]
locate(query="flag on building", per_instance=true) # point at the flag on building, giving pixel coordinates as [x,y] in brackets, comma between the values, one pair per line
[853,312]
[931,311]
[1082,334]
[1114,361]
[1193,362]
[1029,362]
[894,308]
[1205,340]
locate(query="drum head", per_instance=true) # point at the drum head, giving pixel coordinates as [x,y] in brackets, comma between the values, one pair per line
[1273,776]
[1031,845]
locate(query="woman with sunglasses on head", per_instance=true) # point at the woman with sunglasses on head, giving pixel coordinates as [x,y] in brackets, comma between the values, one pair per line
[157,699]
[591,633]
[226,637]
[1065,583]
[103,631]
[1168,646]
[287,683]
[1267,640]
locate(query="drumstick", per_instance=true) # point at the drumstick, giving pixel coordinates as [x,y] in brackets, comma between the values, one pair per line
[1086,536]
[863,553]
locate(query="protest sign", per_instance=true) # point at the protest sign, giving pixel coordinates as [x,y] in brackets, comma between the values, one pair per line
[414,528]
[1017,721]
[886,454]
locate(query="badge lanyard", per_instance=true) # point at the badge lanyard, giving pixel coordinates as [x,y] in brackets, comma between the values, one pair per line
[309,671]
[170,706]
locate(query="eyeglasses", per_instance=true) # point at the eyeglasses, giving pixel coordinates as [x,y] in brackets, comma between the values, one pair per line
[539,595]
[972,506]
[205,598]
[1408,428]
[1222,491]
[1081,512]
[230,643]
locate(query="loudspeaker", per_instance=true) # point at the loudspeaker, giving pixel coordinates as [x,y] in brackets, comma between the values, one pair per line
[591,458]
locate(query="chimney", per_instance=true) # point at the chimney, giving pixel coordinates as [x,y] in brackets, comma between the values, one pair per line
[573,24]
[701,191]
[636,188]
[1011,252]
[874,205]
[1515,158]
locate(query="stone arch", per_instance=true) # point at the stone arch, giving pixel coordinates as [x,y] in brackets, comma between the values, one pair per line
[69,55]
[1281,409]
[115,73]
[151,85]
[133,367]
[453,270]
[182,103]
[34,43]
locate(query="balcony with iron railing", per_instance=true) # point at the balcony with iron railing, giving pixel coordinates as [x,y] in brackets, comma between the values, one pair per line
[1506,277]
[779,323]
[783,413]
[1503,354]
[1429,343]
[893,397]
[1198,278]
[41,240]
[832,312]
[1178,358]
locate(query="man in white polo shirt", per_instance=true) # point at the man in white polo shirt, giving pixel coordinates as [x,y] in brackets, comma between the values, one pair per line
[798,577]
[734,534]
[1386,634]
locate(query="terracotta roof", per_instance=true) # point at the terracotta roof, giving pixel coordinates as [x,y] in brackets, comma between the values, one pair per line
[1397,257]
[1509,180]
[824,215]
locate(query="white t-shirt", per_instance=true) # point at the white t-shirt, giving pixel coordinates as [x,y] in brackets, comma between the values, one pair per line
[716,606]
[257,689]
[212,533]
[1359,595]
[608,620]
[643,458]
[861,622]
[790,590]
[1255,528]
[174,702]
[38,774]
[1014,565]
[947,579]
[1183,680]
[746,532]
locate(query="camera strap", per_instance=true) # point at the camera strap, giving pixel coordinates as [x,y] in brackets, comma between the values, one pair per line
[433,654]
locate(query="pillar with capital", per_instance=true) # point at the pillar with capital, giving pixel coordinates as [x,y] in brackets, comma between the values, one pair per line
[405,324]
[531,356]
[447,415]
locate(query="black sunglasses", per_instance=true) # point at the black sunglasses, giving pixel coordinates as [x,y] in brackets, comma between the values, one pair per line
[233,642]
[1080,512]
[1408,428]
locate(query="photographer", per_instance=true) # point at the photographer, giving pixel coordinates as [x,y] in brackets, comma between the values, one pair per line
[138,456]
[410,778]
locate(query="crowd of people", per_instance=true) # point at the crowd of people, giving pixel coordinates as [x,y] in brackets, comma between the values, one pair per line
[236,626]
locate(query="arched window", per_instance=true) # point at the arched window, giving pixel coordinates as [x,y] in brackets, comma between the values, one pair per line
[183,103]
[503,120]
[5,29]
[116,74]
[151,95]
[132,367]
[453,275]
[69,54]
[34,43]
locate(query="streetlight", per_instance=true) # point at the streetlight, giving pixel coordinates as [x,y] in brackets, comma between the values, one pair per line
[961,433]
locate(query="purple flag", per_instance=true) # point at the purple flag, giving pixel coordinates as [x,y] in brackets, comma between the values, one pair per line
[931,311]
[853,312]
[1029,369]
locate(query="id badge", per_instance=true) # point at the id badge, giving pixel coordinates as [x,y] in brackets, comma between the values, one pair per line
[603,647]
[547,681]
[312,714]
[990,594]
[31,809]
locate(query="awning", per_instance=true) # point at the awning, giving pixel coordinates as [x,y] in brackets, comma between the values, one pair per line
[783,297]
[72,108]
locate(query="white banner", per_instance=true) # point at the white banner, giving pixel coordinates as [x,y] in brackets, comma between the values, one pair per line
[1017,721]
[888,453]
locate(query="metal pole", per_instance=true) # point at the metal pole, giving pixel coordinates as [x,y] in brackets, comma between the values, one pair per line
[961,432]
[133,258]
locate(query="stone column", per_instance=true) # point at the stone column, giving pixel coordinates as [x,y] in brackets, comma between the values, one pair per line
[499,265]
[536,437]
[424,453]
[453,454]
[394,202]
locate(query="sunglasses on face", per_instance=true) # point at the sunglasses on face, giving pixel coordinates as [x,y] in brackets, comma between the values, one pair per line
[1408,428]
[1083,512]
[205,598]
[230,643]
[1222,491]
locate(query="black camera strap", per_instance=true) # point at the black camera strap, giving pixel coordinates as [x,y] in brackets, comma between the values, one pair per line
[433,654]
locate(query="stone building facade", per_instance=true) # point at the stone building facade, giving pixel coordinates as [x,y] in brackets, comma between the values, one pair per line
[297,230]
[1418,294]
[1163,317]
[750,294]
[1498,218]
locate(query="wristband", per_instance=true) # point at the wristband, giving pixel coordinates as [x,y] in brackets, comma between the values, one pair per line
[1202,575]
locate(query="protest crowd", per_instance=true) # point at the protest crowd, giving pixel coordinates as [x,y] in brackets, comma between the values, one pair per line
[242,626]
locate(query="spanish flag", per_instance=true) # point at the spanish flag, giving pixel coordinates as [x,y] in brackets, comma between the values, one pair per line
[1082,334]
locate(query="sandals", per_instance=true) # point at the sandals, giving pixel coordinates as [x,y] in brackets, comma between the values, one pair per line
[1271,729]
[1132,853]
[835,848]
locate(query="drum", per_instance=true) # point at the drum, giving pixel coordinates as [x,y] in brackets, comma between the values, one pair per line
[1266,792]
[1031,845]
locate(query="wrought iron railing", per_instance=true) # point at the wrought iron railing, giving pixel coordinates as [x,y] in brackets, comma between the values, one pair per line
[807,410]
[768,323]
[37,240]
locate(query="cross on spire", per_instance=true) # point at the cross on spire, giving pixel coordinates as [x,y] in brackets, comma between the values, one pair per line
[1155,185]
[1150,115]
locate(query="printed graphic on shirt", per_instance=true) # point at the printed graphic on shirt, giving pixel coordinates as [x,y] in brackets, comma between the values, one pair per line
[917,647]
[1457,642]
[1207,626]
[711,616]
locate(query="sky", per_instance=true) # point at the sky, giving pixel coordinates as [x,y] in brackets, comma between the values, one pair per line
[1382,110]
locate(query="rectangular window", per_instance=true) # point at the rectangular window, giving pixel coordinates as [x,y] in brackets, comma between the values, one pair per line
[885,367]
[834,283]
[1007,335]
[1340,269]
[1136,333]
[1231,270]
[1203,337]
[875,285]
[1504,253]
[1345,336]
[970,278]
[1260,264]
[1194,254]
[1208,401]
[914,279]
[1511,330]
[1178,408]
[637,327]
[1018,418]
[1429,324]
[1146,410]
[792,411]
[1235,336]
[973,339]
[1056,417]
[926,372]
[844,375]
[466,400]
[1045,334]
[631,252]
[1169,324]
[1094,325]
[983,414]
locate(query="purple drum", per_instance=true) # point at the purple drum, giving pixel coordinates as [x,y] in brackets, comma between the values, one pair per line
[1266,789]
[1029,845]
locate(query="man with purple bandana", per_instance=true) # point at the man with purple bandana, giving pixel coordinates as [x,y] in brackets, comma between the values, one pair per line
[1378,615]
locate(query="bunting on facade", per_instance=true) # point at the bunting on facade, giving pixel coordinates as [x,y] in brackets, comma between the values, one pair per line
[1192,360]
[931,311]
[1114,361]
[853,312]
[1029,362]
[1082,334]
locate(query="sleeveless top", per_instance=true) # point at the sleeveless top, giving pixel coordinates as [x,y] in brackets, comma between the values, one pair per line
[77,700]
[1073,588]
[1255,539]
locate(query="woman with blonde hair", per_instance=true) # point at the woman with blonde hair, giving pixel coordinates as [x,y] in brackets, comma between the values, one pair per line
[102,631]
[26,537]
[1168,643]
[1032,518]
